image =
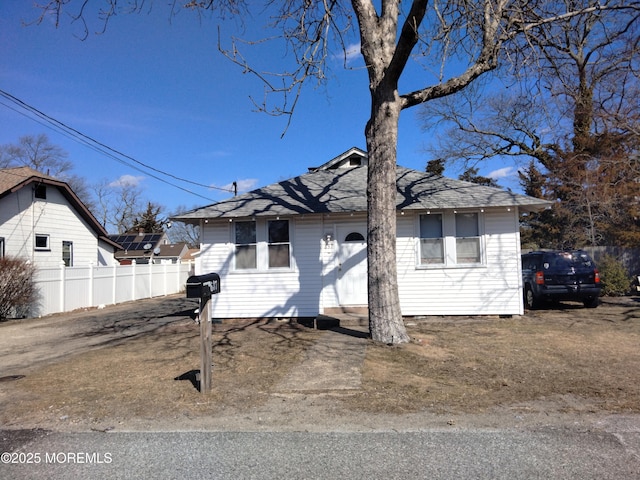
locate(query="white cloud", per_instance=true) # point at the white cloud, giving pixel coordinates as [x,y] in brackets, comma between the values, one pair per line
[127,180]
[502,173]
[350,54]
[244,185]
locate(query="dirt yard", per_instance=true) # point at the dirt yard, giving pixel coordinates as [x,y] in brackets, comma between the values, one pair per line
[133,367]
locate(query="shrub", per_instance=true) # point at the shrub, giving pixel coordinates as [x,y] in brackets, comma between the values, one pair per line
[614,277]
[17,287]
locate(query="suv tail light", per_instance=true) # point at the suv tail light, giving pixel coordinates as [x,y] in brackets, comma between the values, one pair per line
[596,276]
[540,278]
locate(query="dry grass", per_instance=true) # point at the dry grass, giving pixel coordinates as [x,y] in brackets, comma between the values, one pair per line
[577,359]
[592,365]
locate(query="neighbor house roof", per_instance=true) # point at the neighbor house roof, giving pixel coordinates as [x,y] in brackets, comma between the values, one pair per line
[343,190]
[14,179]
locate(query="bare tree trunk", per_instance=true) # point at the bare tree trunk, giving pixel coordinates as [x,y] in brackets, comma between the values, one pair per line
[385,316]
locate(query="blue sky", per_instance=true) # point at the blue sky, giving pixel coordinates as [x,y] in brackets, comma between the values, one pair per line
[159,91]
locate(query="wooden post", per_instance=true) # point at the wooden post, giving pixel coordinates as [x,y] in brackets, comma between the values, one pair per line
[205,344]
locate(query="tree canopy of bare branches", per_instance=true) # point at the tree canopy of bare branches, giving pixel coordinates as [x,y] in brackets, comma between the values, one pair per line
[454,41]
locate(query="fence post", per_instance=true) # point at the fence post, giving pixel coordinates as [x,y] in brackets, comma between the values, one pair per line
[63,282]
[114,272]
[150,278]
[91,285]
[133,279]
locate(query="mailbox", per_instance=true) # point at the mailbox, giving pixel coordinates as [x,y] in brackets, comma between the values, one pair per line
[203,286]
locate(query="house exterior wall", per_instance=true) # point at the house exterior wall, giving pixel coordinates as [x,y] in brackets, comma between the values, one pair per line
[492,288]
[292,292]
[22,218]
[309,285]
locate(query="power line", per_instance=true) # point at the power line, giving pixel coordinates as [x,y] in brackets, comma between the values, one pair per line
[100,147]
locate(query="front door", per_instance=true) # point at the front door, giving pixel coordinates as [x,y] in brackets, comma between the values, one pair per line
[352,265]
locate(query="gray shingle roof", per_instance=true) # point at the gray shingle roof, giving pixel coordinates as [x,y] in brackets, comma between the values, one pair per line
[344,190]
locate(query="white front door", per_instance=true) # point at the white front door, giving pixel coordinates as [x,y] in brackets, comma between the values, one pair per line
[352,265]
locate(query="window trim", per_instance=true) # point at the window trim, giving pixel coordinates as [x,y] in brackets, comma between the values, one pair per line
[46,248]
[236,245]
[261,246]
[70,245]
[442,240]
[477,237]
[270,244]
[449,240]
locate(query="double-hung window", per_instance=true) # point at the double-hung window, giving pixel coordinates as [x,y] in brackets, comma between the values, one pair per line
[467,238]
[246,245]
[431,239]
[279,247]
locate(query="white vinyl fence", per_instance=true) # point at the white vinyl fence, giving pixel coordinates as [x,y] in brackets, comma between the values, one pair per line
[64,289]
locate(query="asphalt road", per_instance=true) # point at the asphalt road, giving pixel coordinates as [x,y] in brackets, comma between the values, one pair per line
[435,454]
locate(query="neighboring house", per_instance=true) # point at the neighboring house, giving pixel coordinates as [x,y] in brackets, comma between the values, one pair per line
[297,248]
[141,247]
[172,253]
[43,220]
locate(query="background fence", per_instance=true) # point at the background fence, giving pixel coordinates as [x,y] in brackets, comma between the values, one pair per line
[64,289]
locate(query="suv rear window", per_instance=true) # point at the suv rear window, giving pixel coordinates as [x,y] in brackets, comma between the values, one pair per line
[567,260]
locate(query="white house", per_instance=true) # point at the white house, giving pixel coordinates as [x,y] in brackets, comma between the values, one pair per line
[43,220]
[297,248]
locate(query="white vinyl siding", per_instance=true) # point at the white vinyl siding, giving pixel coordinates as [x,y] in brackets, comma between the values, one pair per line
[22,217]
[309,285]
[277,292]
[490,288]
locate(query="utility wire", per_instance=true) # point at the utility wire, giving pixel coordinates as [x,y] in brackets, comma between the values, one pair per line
[100,147]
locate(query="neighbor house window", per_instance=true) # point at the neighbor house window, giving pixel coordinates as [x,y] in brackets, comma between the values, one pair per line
[67,253]
[40,191]
[42,242]
[1,247]
[279,246]
[245,240]
[467,238]
[431,239]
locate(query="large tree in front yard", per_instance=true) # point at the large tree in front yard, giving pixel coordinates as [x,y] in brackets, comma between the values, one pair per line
[414,52]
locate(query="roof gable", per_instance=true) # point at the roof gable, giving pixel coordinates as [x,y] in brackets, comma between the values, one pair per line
[343,190]
[14,179]
[354,157]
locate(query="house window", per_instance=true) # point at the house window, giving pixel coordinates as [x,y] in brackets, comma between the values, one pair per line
[67,253]
[245,240]
[1,247]
[431,239]
[42,242]
[279,247]
[467,238]
[40,191]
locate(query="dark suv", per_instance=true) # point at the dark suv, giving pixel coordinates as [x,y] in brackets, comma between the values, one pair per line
[554,276]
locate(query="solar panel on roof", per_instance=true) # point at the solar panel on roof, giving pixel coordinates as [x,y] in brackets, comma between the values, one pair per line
[137,242]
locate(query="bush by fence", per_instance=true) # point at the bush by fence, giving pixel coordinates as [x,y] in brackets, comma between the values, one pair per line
[17,287]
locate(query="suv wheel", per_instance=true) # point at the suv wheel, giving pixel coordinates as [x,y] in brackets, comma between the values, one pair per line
[591,302]
[530,301]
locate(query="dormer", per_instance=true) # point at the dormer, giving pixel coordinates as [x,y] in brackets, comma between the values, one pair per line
[354,157]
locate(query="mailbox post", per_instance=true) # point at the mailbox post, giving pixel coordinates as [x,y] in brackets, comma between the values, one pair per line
[202,287]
